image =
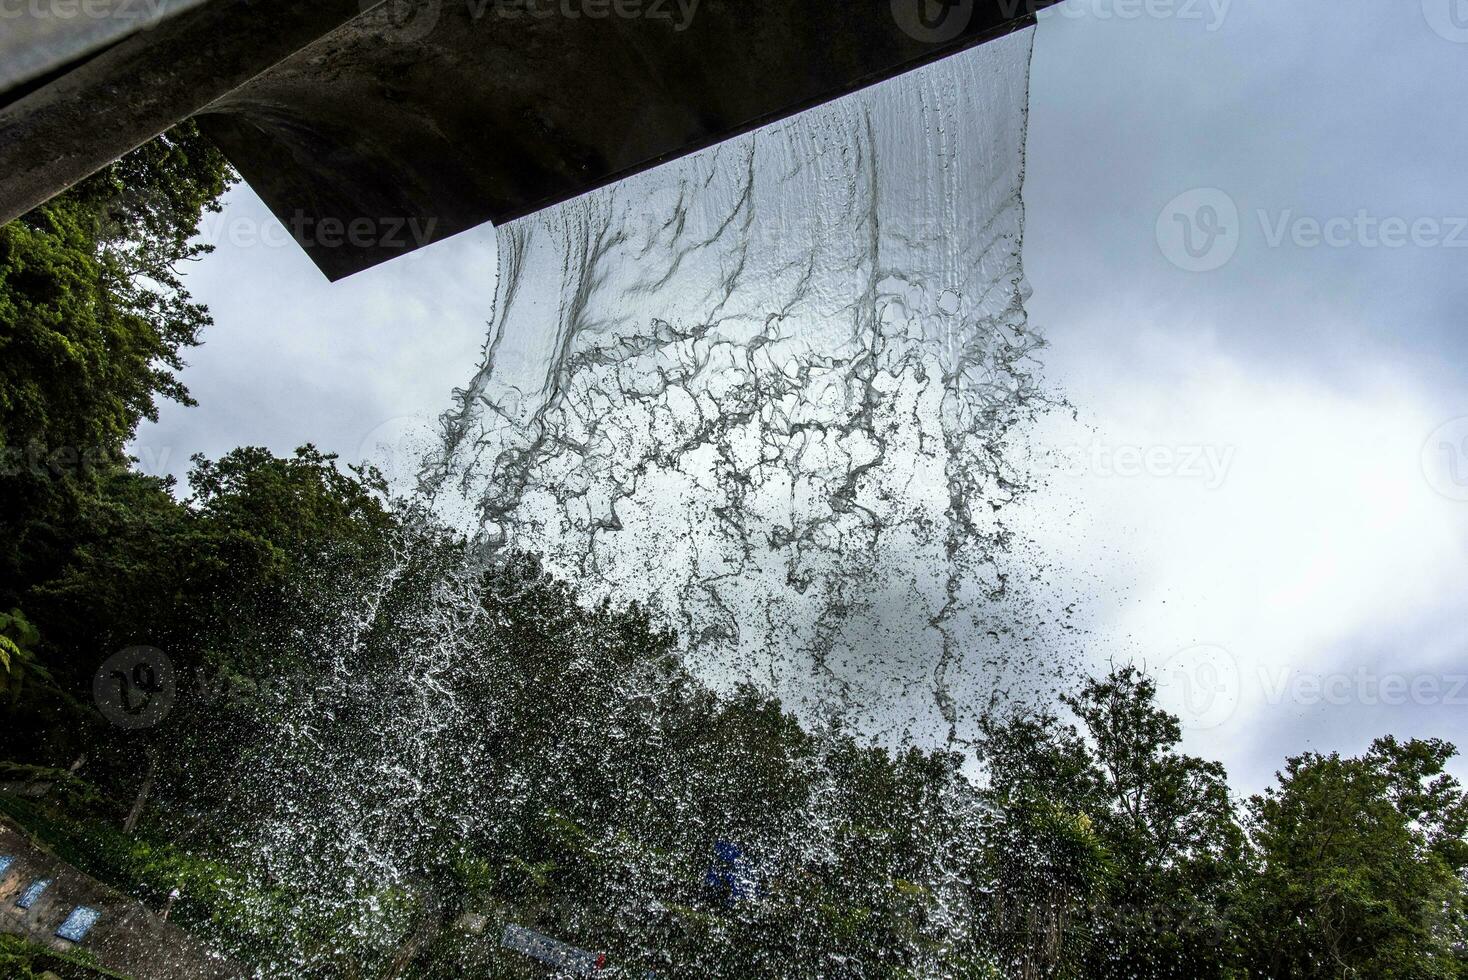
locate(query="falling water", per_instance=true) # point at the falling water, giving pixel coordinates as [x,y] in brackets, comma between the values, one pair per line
[768,389]
[770,392]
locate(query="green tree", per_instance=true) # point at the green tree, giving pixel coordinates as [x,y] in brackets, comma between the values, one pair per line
[1113,854]
[1360,867]
[1170,827]
[95,319]
[95,307]
[1046,870]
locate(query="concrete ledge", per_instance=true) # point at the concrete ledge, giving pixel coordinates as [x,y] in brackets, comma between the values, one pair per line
[39,38]
[444,114]
[373,128]
[123,96]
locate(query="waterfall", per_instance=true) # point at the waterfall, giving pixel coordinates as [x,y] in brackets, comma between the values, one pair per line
[768,390]
[769,393]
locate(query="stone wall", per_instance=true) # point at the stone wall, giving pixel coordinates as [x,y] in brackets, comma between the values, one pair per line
[126,938]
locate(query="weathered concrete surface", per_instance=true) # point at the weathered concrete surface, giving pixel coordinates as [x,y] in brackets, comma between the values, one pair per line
[130,92]
[375,134]
[443,114]
[127,939]
[41,36]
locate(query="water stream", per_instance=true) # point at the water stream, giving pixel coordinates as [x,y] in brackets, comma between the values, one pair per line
[771,392]
[769,389]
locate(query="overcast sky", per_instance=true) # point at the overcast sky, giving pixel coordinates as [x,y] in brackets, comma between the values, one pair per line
[1321,551]
[1261,485]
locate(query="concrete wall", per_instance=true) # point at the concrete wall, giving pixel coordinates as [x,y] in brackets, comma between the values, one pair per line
[371,129]
[127,939]
[38,38]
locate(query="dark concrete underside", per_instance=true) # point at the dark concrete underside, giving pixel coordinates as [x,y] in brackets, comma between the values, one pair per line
[495,116]
[423,118]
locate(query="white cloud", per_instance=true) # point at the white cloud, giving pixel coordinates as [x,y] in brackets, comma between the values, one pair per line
[1322,528]
[294,359]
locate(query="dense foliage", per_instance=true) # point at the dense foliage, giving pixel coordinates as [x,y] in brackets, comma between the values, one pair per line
[384,749]
[96,318]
